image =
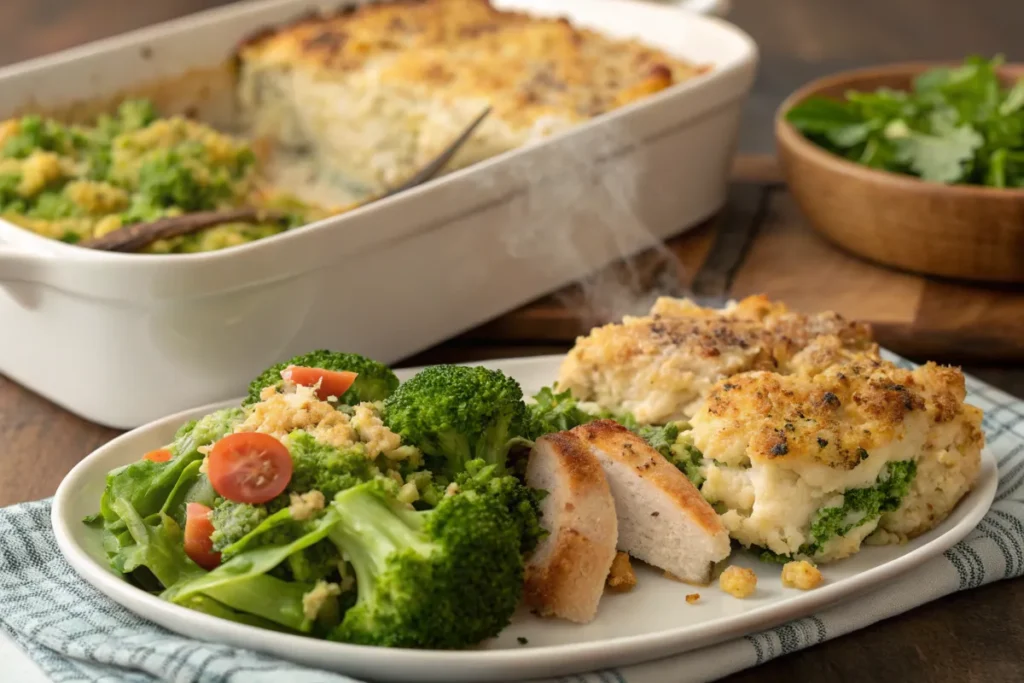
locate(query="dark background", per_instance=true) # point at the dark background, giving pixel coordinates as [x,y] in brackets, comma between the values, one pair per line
[976,636]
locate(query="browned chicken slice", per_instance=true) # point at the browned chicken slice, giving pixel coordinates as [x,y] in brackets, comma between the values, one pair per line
[565,575]
[660,367]
[663,519]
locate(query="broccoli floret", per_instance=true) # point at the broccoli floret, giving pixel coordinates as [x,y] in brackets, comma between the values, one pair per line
[317,466]
[35,133]
[522,502]
[375,382]
[181,177]
[205,430]
[232,521]
[863,505]
[318,561]
[859,507]
[445,578]
[456,414]
[675,442]
[430,488]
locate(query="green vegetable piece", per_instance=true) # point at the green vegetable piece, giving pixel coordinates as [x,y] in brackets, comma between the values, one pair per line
[207,605]
[862,505]
[36,133]
[234,521]
[265,596]
[455,414]
[321,467]
[522,502]
[53,205]
[157,547]
[554,411]
[941,159]
[446,578]
[956,125]
[184,491]
[375,382]
[675,442]
[146,484]
[281,607]
[273,530]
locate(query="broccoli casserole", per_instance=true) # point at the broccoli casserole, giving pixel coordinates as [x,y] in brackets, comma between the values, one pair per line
[375,92]
[72,182]
[804,439]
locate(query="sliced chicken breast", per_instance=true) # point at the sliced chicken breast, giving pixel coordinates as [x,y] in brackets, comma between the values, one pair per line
[565,575]
[663,519]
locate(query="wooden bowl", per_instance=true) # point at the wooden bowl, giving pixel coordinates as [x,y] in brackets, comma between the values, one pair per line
[957,231]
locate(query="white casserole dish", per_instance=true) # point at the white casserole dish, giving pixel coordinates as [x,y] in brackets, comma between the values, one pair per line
[97,332]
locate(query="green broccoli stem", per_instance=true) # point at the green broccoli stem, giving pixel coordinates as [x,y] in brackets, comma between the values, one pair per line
[370,530]
[266,597]
[492,447]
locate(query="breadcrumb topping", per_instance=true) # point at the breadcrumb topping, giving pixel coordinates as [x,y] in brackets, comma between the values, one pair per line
[738,582]
[315,599]
[621,577]
[305,505]
[801,574]
[279,414]
[288,407]
[378,438]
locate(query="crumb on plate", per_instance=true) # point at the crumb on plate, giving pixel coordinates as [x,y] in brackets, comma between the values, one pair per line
[738,582]
[621,577]
[801,574]
[692,598]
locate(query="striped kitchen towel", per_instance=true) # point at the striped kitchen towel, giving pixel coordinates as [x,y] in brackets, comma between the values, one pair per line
[74,634]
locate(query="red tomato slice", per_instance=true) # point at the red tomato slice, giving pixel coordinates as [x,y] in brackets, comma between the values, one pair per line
[332,382]
[159,455]
[249,467]
[198,529]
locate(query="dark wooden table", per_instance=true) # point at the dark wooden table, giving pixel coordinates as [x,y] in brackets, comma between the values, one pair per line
[975,636]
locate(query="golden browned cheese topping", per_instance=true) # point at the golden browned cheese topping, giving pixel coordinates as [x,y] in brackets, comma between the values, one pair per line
[659,367]
[835,416]
[526,67]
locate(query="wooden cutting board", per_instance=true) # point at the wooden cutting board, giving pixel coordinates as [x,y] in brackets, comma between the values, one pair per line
[919,317]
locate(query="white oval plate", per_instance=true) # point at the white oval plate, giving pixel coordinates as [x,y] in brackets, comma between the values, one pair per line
[652,621]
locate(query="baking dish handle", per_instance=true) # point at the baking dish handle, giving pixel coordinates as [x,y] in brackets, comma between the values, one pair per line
[20,265]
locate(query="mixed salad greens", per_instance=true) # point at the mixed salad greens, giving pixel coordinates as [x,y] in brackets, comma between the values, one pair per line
[339,504]
[955,125]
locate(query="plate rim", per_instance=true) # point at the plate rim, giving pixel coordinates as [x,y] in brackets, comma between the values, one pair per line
[541,660]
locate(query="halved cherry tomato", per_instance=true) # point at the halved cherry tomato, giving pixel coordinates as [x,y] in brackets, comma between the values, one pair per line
[332,382]
[198,529]
[159,455]
[249,467]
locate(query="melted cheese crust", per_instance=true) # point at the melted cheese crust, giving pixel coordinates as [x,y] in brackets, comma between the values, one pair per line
[778,448]
[380,89]
[660,367]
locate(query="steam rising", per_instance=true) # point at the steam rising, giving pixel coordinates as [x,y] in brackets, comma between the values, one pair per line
[587,193]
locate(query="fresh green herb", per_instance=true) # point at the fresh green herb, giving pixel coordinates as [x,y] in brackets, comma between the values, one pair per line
[955,126]
[554,411]
[675,442]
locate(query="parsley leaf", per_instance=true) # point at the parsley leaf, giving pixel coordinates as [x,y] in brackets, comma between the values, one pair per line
[954,125]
